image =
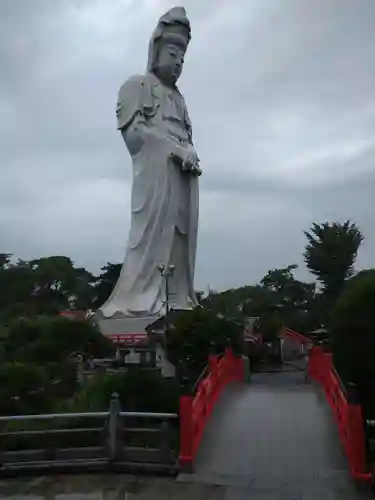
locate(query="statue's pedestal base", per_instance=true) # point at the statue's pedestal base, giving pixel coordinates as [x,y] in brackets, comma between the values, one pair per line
[150,331]
[135,332]
[116,326]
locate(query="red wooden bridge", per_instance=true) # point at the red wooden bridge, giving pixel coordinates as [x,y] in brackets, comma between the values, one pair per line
[278,432]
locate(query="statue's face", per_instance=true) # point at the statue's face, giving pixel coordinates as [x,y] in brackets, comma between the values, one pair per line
[170,62]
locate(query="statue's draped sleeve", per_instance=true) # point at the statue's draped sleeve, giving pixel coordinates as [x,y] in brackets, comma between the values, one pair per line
[136,106]
[134,99]
[188,126]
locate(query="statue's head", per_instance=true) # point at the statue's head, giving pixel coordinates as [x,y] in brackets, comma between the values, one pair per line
[168,45]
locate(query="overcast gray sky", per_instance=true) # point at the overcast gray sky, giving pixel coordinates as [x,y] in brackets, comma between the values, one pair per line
[281,94]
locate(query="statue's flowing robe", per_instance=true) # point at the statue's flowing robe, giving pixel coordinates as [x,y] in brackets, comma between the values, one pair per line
[154,123]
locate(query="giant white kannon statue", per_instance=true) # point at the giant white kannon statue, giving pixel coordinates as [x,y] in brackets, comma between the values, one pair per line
[155,125]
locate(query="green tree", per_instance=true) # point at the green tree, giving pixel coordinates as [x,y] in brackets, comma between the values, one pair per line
[330,254]
[352,328]
[43,286]
[290,300]
[195,334]
[279,279]
[59,285]
[106,282]
[239,302]
[48,339]
[5,259]
[279,293]
[83,290]
[43,350]
[289,293]
[16,288]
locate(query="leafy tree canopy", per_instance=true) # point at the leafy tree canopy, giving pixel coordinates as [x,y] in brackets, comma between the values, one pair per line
[106,282]
[43,286]
[195,334]
[352,327]
[48,339]
[330,254]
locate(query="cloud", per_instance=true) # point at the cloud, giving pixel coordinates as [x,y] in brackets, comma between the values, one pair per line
[281,96]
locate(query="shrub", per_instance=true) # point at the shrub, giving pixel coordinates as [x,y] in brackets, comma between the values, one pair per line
[353,328]
[24,388]
[138,390]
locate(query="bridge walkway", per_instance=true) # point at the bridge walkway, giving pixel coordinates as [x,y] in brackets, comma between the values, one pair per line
[275,438]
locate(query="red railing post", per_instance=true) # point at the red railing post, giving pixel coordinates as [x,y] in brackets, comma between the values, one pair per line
[212,362]
[232,366]
[227,360]
[316,364]
[186,433]
[213,373]
[356,442]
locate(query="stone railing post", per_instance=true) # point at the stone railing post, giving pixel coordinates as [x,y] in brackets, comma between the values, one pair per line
[80,369]
[113,426]
[164,440]
[246,369]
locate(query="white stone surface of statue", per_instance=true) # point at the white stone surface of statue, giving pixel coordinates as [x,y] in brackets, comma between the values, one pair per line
[154,123]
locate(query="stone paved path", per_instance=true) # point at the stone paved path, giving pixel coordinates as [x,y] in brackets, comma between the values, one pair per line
[107,487]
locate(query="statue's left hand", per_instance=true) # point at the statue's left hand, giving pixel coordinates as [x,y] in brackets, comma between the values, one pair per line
[196,170]
[188,161]
[191,164]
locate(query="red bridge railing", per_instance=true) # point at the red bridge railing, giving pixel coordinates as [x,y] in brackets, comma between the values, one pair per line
[195,409]
[297,336]
[347,412]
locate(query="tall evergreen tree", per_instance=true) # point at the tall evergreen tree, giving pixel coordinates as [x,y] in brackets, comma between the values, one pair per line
[330,254]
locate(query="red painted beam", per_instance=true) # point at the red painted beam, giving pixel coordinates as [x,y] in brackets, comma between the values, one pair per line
[297,336]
